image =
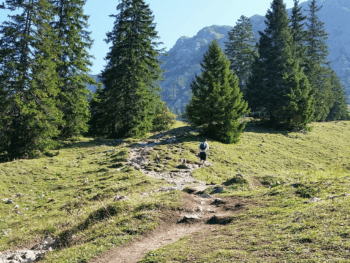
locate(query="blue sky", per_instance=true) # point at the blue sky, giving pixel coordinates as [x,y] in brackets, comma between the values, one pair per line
[174,19]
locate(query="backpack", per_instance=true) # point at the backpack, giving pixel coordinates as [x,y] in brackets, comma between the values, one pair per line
[203,146]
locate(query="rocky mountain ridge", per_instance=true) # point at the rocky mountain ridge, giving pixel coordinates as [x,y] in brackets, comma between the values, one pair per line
[183,62]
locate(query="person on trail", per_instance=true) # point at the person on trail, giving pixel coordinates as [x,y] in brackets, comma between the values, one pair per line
[203,149]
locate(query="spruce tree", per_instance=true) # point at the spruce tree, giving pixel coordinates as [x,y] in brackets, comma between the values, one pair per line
[132,73]
[28,81]
[299,33]
[217,103]
[278,86]
[317,49]
[339,109]
[320,80]
[241,50]
[72,67]
[317,67]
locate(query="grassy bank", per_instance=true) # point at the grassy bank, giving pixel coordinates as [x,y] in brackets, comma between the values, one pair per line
[284,227]
[69,194]
[279,174]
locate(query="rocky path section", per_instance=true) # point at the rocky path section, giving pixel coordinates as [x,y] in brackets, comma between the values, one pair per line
[200,211]
[139,159]
[197,214]
[35,253]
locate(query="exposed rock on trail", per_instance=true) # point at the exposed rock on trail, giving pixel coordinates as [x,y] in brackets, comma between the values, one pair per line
[139,159]
[197,214]
[200,211]
[28,255]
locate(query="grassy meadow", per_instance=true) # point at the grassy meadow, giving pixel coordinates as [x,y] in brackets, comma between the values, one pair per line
[69,194]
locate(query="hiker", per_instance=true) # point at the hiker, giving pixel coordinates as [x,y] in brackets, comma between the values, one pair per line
[203,149]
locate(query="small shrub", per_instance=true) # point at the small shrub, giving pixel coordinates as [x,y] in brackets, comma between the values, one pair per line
[237,179]
[164,118]
[267,180]
[306,191]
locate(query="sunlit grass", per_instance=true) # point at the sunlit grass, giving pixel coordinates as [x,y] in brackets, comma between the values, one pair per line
[70,196]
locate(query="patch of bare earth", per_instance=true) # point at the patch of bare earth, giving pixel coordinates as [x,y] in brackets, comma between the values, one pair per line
[198,213]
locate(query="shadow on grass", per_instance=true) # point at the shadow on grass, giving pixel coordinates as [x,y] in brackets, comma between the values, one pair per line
[263,127]
[91,143]
[67,238]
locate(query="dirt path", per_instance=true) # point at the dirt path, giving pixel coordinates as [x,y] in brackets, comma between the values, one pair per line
[200,212]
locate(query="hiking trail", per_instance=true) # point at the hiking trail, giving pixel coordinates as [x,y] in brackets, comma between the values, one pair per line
[200,211]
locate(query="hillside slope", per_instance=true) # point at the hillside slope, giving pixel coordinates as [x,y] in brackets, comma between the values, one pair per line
[75,195]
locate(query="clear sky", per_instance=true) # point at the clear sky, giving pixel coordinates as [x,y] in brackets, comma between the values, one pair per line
[174,19]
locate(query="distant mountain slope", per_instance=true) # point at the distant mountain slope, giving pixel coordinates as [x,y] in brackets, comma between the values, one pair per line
[92,87]
[183,61]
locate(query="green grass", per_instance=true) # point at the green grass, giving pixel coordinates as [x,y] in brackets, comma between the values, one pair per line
[276,226]
[70,196]
[279,172]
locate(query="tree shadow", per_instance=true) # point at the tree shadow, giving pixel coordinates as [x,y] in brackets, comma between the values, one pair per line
[67,237]
[263,127]
[97,142]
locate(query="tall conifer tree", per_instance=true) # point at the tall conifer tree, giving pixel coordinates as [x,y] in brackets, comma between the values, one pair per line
[72,68]
[132,73]
[217,103]
[241,50]
[339,109]
[317,49]
[28,81]
[298,31]
[278,85]
[317,67]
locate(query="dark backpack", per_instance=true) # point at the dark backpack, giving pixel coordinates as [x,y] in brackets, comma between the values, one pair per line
[203,146]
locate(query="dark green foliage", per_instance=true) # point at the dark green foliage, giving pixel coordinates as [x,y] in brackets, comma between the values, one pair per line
[72,66]
[132,73]
[28,81]
[320,79]
[237,179]
[241,50]
[299,34]
[317,50]
[278,87]
[163,118]
[96,123]
[317,69]
[306,191]
[339,110]
[217,102]
[267,180]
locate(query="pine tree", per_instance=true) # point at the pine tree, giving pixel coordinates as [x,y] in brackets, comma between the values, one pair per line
[317,49]
[339,109]
[217,103]
[241,50]
[133,71]
[299,34]
[72,68]
[320,80]
[28,81]
[317,67]
[278,87]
